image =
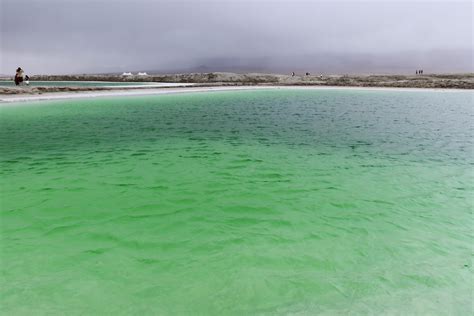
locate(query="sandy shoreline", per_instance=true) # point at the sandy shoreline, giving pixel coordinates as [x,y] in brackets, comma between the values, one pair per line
[220,81]
[9,99]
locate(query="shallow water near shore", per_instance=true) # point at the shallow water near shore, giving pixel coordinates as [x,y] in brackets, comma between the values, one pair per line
[242,203]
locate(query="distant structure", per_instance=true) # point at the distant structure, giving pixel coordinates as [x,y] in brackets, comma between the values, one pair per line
[307,74]
[127,74]
[142,74]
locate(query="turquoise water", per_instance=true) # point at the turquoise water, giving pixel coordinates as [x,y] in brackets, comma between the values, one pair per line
[34,83]
[239,203]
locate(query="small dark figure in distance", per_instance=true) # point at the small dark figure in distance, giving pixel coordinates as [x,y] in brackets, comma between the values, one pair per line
[417,72]
[19,76]
[293,74]
[307,74]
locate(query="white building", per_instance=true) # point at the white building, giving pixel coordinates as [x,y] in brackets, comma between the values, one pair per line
[127,74]
[142,74]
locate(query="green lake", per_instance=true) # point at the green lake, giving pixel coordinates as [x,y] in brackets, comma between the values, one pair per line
[270,202]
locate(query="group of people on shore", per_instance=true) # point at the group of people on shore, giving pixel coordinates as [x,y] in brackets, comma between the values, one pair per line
[21,78]
[306,74]
[419,72]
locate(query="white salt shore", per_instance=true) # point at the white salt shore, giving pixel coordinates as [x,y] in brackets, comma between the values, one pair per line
[179,88]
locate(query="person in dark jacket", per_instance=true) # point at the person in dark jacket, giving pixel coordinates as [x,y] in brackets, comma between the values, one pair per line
[19,76]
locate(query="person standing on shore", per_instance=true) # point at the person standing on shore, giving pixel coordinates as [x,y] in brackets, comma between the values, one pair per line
[19,76]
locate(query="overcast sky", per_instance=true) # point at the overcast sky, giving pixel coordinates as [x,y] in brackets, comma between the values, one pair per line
[85,36]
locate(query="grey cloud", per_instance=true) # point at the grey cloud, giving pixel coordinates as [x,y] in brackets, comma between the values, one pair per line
[76,36]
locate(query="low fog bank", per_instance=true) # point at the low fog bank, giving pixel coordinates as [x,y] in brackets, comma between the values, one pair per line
[405,63]
[335,63]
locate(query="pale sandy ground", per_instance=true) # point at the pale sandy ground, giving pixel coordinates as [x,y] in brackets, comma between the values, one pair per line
[146,85]
[16,98]
[428,81]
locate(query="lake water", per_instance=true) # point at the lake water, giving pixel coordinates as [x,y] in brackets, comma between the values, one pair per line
[297,202]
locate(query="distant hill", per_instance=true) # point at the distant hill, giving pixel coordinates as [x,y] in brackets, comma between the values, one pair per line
[439,61]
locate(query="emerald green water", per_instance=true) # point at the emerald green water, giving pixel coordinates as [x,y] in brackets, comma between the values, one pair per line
[239,203]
